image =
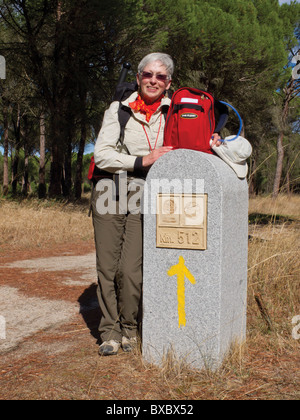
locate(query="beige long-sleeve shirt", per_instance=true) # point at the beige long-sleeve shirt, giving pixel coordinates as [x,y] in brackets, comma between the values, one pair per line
[110,155]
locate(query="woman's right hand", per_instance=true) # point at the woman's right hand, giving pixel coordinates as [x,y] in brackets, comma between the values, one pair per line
[155,154]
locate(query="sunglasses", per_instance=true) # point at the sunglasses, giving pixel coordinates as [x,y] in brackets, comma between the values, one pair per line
[159,77]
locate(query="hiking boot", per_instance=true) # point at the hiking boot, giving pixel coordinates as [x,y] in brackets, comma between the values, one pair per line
[129,344]
[109,348]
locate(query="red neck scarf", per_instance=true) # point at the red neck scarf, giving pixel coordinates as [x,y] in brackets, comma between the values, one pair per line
[140,106]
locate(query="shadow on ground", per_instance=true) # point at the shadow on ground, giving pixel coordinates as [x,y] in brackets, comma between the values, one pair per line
[90,310]
[265,219]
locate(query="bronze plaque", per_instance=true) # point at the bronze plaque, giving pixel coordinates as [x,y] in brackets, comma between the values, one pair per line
[181,221]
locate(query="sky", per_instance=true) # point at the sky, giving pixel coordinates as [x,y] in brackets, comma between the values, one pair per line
[286,1]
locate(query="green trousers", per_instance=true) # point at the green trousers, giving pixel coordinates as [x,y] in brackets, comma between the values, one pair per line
[118,240]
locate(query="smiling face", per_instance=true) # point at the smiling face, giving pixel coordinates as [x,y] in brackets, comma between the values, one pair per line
[152,88]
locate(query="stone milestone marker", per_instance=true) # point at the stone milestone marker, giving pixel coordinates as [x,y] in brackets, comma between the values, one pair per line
[195,259]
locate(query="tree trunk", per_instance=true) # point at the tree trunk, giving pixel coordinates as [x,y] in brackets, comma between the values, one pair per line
[5,156]
[279,165]
[67,173]
[57,123]
[78,181]
[14,174]
[289,165]
[15,163]
[58,137]
[56,171]
[25,186]
[252,179]
[288,96]
[42,171]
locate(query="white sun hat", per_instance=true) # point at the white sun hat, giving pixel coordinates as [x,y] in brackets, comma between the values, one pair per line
[235,153]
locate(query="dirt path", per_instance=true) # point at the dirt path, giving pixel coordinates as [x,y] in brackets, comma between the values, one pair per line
[37,294]
[50,349]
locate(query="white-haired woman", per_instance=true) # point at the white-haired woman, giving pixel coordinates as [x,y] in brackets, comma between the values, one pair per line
[118,234]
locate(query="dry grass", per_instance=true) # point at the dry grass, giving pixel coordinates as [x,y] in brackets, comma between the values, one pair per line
[274,265]
[274,270]
[33,223]
[285,205]
[265,367]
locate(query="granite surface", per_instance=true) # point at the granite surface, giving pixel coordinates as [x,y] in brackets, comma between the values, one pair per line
[215,302]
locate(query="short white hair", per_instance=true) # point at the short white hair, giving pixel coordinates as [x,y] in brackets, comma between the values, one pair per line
[165,59]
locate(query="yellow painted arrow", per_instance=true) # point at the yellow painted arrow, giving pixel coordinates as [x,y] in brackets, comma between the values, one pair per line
[181,271]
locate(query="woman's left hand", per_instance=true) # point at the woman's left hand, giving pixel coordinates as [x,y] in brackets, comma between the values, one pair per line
[216,140]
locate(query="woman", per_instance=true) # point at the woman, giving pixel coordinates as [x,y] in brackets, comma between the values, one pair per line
[118,236]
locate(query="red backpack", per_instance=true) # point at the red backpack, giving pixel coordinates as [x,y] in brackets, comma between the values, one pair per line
[190,121]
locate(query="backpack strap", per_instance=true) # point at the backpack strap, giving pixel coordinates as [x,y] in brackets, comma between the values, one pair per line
[164,110]
[124,113]
[124,90]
